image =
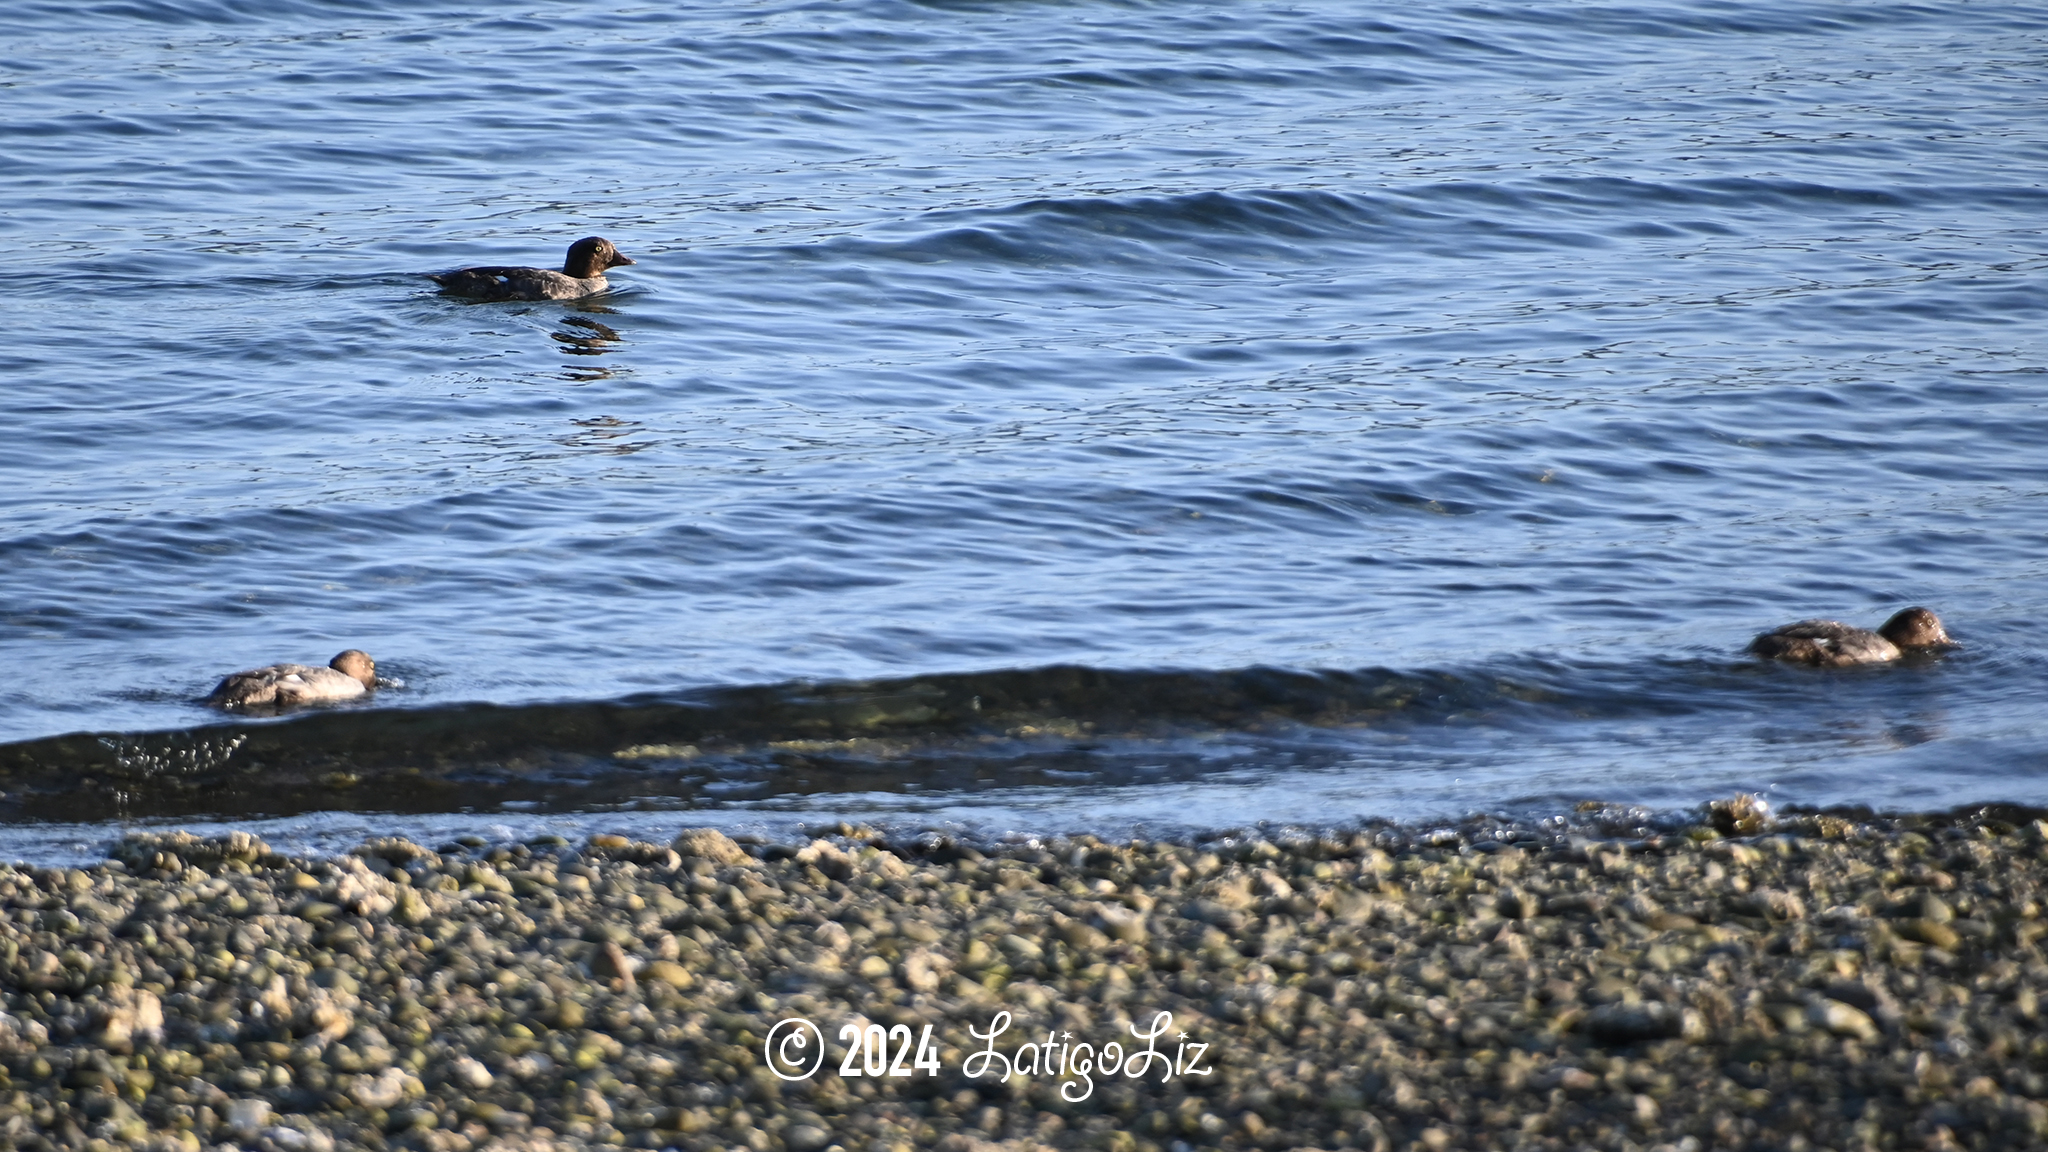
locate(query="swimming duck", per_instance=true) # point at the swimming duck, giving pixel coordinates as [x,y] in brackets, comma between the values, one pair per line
[1832,644]
[582,274]
[350,674]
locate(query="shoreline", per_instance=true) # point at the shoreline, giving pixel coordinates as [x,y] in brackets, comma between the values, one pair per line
[1533,826]
[1740,982]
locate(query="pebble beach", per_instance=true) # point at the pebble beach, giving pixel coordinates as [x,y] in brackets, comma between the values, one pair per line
[977,637]
[1740,982]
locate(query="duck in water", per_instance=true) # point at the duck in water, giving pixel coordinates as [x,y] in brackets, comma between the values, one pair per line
[582,275]
[350,674]
[1833,644]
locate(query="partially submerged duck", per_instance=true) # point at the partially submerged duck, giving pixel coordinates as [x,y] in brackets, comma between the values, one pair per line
[352,673]
[1833,644]
[582,274]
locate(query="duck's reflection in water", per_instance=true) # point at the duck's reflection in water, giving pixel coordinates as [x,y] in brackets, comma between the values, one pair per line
[587,336]
[606,434]
[1868,733]
[595,339]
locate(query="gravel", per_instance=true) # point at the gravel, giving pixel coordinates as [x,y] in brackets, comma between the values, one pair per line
[1742,982]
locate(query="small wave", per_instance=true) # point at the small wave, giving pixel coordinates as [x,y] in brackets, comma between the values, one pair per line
[1049,727]
[1458,219]
[1672,21]
[1296,225]
[204,12]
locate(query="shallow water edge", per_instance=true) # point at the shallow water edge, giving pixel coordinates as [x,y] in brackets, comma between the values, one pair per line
[1042,751]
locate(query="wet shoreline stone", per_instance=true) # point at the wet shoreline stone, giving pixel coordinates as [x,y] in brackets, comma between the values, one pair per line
[1736,981]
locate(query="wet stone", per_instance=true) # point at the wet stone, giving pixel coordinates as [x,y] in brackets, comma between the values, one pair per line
[1633,1023]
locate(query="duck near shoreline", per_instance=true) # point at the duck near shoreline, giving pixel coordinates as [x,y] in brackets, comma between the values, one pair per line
[1833,644]
[350,674]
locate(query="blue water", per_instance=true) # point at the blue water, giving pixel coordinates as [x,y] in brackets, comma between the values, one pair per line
[1538,354]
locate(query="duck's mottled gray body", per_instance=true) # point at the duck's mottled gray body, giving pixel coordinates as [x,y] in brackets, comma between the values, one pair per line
[582,275]
[350,674]
[1831,643]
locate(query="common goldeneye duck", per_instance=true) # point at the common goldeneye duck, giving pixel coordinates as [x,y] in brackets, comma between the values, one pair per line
[1830,643]
[350,674]
[582,274]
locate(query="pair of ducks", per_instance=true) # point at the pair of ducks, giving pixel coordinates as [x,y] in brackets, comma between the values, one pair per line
[353,673]
[1825,643]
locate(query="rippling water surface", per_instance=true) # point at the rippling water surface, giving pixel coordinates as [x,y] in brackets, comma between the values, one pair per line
[1022,414]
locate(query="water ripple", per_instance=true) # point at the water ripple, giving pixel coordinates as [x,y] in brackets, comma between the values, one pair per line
[1553,346]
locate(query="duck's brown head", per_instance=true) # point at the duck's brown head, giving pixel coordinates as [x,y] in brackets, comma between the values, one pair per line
[590,256]
[357,663]
[1916,628]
